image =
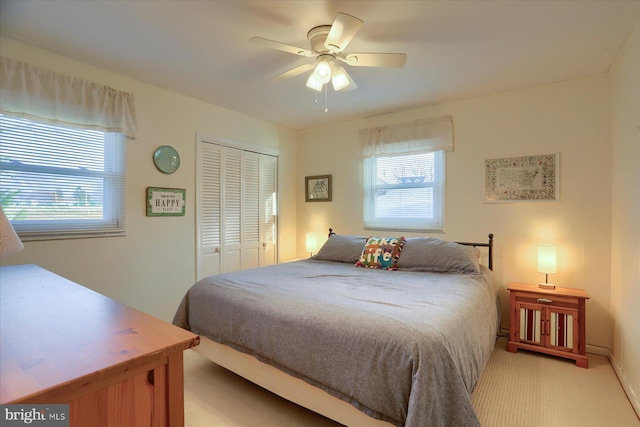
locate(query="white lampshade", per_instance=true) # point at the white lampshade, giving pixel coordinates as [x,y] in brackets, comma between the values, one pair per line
[547,264]
[312,242]
[322,72]
[313,83]
[340,79]
[10,243]
[547,259]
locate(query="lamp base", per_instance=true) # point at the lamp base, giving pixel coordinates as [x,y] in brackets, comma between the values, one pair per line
[546,285]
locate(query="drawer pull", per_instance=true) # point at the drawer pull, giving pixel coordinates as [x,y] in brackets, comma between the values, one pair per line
[546,300]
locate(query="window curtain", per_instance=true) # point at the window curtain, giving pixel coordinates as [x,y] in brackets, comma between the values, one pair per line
[418,136]
[33,93]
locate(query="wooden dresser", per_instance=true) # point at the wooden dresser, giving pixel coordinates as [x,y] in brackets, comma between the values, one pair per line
[63,343]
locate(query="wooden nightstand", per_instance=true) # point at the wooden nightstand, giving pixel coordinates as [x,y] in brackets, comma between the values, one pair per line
[550,321]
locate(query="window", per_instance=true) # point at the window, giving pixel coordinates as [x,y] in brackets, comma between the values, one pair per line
[59,182]
[404,174]
[404,192]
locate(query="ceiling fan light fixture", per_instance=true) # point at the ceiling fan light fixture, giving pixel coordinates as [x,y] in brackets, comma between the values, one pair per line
[322,72]
[313,83]
[340,79]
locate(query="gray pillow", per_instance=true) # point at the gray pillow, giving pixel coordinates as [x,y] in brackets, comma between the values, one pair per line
[430,254]
[341,248]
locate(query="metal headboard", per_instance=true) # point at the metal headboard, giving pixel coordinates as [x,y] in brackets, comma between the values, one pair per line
[489,245]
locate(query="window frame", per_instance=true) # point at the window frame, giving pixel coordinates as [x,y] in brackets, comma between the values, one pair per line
[113,176]
[436,224]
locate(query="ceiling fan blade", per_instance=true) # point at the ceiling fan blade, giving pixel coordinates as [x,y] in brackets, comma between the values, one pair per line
[391,60]
[342,31]
[281,46]
[293,72]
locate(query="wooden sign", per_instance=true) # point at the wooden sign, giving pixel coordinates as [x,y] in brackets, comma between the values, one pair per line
[165,201]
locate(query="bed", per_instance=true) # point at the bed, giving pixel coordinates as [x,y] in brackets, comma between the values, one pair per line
[386,332]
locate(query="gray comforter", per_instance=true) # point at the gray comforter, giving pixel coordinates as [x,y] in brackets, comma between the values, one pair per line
[404,347]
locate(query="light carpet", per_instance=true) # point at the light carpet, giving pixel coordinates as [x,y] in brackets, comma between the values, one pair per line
[521,389]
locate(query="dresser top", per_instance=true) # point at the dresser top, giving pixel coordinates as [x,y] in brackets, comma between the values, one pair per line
[54,332]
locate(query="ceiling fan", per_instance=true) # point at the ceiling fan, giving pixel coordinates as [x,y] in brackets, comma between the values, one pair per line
[328,43]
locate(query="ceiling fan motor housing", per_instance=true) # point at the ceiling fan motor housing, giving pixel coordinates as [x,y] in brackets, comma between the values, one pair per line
[317,36]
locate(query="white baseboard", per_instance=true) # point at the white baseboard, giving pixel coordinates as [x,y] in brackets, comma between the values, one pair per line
[595,349]
[631,395]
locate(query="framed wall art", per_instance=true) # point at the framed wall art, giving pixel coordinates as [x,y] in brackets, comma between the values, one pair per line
[165,201]
[317,188]
[522,178]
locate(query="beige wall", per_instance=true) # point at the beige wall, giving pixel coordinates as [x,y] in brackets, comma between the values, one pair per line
[572,118]
[625,254]
[154,264]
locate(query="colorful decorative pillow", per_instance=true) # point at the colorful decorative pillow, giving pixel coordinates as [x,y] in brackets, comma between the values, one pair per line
[381,252]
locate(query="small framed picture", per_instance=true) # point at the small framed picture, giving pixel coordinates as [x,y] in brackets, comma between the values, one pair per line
[317,188]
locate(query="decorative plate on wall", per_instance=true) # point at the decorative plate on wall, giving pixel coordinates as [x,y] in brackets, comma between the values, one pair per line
[166,159]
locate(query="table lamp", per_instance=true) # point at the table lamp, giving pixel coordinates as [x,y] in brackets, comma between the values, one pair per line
[546,264]
[312,243]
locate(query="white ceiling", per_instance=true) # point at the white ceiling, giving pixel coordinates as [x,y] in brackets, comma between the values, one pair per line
[455,49]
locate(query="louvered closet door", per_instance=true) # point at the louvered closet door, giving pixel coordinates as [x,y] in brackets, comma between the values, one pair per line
[231,227]
[237,211]
[250,238]
[208,209]
[268,208]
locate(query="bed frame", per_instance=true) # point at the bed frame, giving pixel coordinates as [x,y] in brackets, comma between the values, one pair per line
[488,245]
[295,389]
[284,385]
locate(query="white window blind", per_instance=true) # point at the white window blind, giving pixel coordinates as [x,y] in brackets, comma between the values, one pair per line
[404,174]
[404,192]
[61,182]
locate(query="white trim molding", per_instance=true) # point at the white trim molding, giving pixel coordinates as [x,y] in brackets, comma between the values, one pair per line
[626,386]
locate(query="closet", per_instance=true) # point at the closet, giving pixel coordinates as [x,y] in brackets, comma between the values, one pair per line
[236,207]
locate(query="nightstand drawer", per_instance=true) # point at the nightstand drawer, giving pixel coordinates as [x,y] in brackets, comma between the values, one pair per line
[556,301]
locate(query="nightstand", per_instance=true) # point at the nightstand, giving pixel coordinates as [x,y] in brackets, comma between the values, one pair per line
[550,321]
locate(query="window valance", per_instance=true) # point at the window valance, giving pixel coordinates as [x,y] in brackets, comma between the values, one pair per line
[418,136]
[42,95]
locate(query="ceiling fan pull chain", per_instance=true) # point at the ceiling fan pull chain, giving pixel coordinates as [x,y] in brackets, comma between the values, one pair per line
[326,96]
